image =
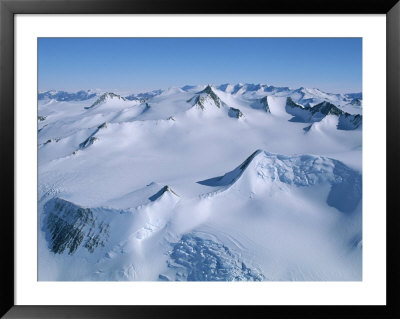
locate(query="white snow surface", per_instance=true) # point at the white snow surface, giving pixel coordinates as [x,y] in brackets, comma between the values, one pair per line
[167,188]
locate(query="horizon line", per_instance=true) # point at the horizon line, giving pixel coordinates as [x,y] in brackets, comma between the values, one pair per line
[180,87]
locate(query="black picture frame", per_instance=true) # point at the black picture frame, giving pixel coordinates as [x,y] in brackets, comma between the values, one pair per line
[8,8]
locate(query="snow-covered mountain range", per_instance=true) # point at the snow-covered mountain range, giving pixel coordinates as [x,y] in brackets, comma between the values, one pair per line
[200,183]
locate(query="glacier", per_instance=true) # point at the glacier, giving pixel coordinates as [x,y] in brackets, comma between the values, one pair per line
[231,182]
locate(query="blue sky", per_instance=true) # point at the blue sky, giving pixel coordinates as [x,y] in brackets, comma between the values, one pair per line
[141,64]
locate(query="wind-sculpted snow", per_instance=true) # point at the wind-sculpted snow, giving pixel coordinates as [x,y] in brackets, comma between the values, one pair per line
[69,227]
[346,190]
[197,259]
[120,181]
[299,171]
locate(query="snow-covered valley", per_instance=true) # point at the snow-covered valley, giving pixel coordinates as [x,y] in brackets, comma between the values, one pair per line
[198,183]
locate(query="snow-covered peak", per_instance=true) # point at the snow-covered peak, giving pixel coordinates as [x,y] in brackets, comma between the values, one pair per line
[206,98]
[301,95]
[308,114]
[163,192]
[100,219]
[106,97]
[263,170]
[207,90]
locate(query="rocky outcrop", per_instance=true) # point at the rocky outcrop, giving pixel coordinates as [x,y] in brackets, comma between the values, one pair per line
[307,114]
[205,96]
[235,113]
[69,226]
[161,192]
[264,103]
[92,138]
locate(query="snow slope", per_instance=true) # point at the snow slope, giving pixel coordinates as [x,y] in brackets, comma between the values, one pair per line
[222,183]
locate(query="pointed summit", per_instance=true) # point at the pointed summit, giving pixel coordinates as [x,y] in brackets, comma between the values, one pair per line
[326,108]
[208,90]
[263,170]
[307,114]
[233,176]
[206,97]
[292,104]
[165,190]
[104,98]
[249,159]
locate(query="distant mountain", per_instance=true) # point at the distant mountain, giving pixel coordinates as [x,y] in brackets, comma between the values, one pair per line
[104,98]
[356,102]
[354,95]
[66,96]
[143,96]
[304,96]
[307,114]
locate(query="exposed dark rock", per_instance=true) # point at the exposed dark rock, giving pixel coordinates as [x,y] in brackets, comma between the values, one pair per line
[91,139]
[161,192]
[86,143]
[163,277]
[264,102]
[306,114]
[104,125]
[207,93]
[325,108]
[291,103]
[236,113]
[249,159]
[356,102]
[69,226]
[349,121]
